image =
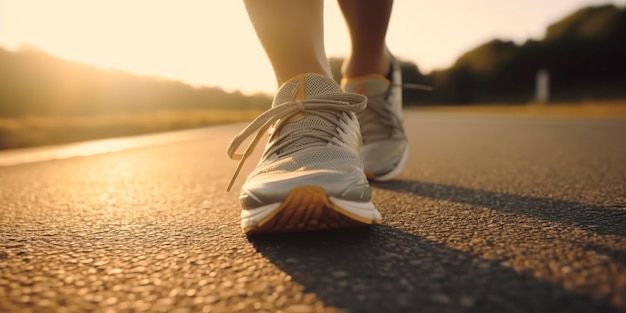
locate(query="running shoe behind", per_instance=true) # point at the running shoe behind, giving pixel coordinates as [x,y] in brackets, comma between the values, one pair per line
[385,148]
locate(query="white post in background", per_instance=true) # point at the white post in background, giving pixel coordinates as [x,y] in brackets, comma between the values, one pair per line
[542,88]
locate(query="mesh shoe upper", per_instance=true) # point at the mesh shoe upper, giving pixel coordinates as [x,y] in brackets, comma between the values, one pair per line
[385,146]
[314,140]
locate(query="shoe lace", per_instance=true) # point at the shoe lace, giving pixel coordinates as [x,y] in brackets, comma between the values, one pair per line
[335,103]
[379,121]
[414,86]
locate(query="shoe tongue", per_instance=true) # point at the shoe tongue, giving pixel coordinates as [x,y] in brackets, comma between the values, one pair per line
[303,87]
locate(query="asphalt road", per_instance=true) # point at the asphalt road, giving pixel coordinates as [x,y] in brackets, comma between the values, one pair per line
[493,213]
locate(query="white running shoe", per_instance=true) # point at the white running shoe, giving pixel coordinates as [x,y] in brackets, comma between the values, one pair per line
[385,148]
[310,175]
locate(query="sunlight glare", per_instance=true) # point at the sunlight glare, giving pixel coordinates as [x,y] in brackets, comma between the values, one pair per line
[212,43]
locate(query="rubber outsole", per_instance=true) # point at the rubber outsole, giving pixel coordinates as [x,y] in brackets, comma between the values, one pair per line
[308,208]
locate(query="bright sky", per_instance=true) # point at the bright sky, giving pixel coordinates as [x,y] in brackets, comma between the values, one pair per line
[212,43]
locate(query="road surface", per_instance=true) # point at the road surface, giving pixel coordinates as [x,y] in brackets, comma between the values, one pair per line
[494,213]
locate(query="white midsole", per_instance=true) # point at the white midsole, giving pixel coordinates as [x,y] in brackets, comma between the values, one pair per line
[396,171]
[253,216]
[366,210]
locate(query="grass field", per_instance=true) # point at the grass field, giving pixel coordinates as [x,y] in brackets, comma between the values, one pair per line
[37,131]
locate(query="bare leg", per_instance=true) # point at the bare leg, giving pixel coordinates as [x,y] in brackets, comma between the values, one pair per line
[292,34]
[367,23]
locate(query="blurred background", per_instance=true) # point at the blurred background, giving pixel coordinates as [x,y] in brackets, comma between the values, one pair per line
[74,70]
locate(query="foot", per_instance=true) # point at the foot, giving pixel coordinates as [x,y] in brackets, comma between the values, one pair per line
[385,147]
[310,175]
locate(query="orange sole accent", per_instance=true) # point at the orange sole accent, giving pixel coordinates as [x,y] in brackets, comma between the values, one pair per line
[308,208]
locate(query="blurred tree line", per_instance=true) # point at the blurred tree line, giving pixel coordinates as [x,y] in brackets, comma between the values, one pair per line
[585,54]
[35,83]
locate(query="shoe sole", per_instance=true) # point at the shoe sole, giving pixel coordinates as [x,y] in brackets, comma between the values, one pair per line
[394,172]
[309,208]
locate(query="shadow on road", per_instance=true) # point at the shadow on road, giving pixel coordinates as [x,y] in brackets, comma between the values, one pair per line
[601,220]
[383,269]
